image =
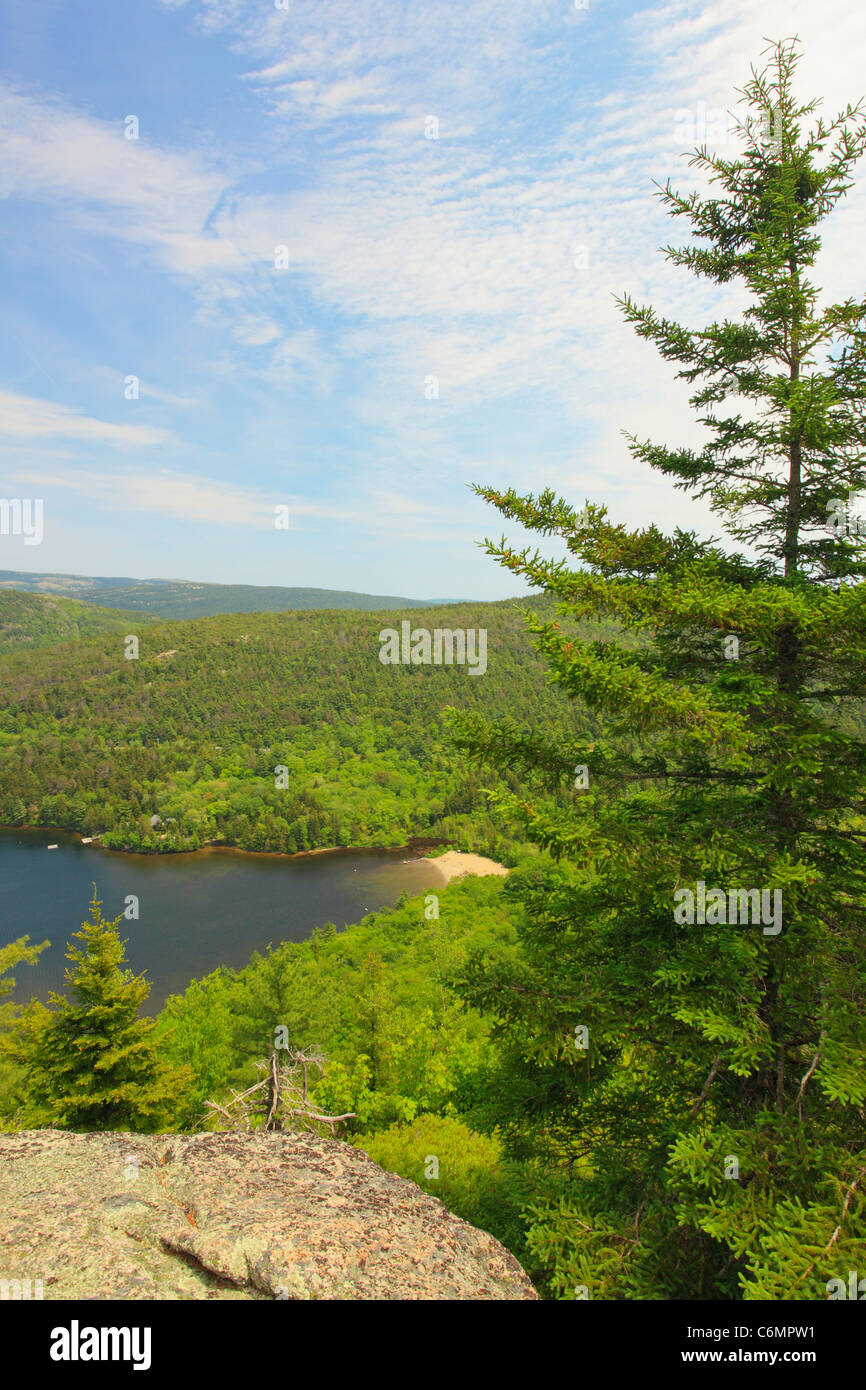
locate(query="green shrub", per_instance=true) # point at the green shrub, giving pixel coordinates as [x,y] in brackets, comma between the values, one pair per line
[467,1171]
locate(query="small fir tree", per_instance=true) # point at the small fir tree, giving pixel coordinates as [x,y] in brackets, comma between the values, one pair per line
[90,1061]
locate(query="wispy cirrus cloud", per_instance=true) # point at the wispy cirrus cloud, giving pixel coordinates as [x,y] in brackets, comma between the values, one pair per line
[161,493]
[177,496]
[27,417]
[111,186]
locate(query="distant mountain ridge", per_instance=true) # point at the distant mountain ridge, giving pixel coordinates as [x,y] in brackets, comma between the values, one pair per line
[182,598]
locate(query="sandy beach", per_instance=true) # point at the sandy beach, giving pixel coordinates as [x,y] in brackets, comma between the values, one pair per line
[451,865]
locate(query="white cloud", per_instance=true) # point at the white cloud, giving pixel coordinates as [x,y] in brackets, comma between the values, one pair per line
[25,417]
[148,391]
[178,496]
[358,95]
[160,492]
[111,186]
[256,331]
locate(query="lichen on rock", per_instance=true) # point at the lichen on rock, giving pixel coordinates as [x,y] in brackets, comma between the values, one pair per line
[232,1216]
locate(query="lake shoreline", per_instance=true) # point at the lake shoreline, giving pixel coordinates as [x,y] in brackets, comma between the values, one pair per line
[415,843]
[451,864]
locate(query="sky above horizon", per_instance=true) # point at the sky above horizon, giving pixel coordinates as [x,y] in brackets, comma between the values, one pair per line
[459,190]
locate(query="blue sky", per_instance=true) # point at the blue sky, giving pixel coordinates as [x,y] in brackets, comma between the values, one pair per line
[486,258]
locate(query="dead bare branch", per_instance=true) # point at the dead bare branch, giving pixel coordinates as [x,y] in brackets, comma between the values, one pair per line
[281,1097]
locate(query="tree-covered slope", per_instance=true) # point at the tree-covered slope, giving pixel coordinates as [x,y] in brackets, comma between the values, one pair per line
[376,990]
[40,620]
[196,729]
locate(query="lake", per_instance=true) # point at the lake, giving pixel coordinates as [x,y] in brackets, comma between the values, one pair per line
[196,911]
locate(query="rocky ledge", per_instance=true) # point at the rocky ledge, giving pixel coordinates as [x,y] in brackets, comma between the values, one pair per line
[231,1216]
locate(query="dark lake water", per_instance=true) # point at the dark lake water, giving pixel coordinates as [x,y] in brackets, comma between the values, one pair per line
[197,911]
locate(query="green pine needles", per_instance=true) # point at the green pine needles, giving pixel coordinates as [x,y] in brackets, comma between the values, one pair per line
[89,1062]
[702,1076]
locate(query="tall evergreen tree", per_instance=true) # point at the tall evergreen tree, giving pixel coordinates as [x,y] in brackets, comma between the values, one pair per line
[705,1080]
[90,1062]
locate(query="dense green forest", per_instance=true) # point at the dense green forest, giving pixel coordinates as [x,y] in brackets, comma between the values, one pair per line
[193,729]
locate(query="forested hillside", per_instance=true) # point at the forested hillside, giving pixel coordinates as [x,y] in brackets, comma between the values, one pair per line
[36,620]
[195,729]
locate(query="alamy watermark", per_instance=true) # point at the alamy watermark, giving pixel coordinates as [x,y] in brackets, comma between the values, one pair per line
[77,1343]
[21,1289]
[841,522]
[855,1288]
[23,516]
[714,125]
[737,907]
[419,647]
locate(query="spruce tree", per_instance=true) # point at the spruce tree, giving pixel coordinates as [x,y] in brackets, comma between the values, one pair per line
[90,1062]
[703,1082]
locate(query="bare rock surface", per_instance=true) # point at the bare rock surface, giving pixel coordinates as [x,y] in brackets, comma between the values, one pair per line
[236,1216]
